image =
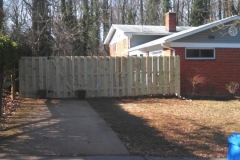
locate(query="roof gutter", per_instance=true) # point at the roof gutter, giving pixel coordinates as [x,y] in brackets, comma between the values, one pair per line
[168,48]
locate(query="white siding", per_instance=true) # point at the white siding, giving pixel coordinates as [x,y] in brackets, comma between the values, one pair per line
[118,36]
[211,36]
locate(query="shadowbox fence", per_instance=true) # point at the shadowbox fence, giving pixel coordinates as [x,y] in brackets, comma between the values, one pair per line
[99,76]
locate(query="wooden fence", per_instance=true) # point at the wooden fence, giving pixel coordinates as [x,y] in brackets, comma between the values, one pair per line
[99,76]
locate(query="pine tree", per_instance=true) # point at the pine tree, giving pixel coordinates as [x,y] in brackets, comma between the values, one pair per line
[152,12]
[94,31]
[200,12]
[131,15]
[166,7]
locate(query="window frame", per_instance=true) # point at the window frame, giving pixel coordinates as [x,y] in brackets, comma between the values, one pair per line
[201,58]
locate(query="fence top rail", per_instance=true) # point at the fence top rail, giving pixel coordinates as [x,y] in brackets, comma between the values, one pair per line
[89,57]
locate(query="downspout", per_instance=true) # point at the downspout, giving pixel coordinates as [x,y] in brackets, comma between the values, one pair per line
[169,48]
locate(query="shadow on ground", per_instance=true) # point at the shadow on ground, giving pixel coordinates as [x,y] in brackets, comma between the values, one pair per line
[168,140]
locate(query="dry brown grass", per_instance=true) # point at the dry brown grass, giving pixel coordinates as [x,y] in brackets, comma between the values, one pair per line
[171,127]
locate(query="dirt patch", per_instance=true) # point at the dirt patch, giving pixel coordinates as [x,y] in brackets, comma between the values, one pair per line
[171,127]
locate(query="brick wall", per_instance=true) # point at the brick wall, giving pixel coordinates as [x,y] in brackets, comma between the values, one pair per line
[217,73]
[120,48]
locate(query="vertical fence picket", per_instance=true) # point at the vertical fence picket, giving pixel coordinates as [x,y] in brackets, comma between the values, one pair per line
[171,76]
[111,75]
[154,76]
[47,72]
[130,73]
[149,78]
[57,77]
[177,75]
[21,77]
[40,72]
[105,77]
[165,75]
[117,78]
[86,86]
[138,72]
[161,75]
[34,87]
[72,80]
[79,74]
[123,76]
[143,76]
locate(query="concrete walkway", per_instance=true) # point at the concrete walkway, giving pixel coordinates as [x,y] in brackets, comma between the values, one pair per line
[59,128]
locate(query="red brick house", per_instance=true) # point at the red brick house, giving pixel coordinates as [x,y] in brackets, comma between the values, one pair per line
[210,54]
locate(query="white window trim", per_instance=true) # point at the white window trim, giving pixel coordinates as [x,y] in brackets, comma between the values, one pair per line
[208,58]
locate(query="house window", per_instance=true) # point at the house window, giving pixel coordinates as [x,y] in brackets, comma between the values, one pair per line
[115,48]
[192,53]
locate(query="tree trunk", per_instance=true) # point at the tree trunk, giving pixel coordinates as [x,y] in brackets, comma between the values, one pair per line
[177,11]
[1,68]
[1,88]
[34,28]
[86,27]
[238,9]
[220,9]
[141,11]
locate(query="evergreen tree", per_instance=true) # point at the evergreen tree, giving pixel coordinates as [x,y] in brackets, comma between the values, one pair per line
[200,12]
[85,26]
[1,15]
[166,7]
[152,12]
[94,31]
[131,15]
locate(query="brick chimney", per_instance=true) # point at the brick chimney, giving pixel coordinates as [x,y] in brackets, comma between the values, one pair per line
[171,21]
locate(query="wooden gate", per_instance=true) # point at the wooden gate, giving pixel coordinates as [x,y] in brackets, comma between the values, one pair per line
[99,76]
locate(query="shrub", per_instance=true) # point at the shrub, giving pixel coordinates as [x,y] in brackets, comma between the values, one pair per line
[232,87]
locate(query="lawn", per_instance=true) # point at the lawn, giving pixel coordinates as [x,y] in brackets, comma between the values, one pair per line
[171,127]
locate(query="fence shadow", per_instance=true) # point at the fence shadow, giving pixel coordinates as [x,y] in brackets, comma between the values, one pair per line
[142,139]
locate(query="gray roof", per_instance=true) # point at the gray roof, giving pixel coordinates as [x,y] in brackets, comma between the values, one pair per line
[147,29]
[141,30]
[184,33]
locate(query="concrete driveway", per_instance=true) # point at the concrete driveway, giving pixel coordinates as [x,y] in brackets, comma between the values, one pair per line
[59,127]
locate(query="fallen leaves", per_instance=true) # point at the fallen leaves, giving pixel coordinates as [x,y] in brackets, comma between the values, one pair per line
[171,127]
[9,107]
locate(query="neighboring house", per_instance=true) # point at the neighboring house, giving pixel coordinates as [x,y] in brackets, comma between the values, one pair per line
[123,37]
[209,54]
